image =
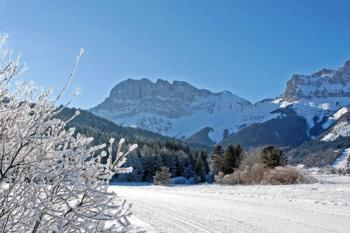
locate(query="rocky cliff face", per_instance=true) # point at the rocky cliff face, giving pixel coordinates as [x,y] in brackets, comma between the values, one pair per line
[177,109]
[322,84]
[174,100]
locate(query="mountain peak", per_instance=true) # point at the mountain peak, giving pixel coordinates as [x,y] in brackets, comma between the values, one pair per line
[322,84]
[160,105]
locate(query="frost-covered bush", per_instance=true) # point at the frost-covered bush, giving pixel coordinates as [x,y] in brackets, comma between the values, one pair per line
[162,177]
[253,170]
[261,167]
[251,175]
[287,175]
[230,179]
[218,178]
[51,179]
[246,175]
[257,174]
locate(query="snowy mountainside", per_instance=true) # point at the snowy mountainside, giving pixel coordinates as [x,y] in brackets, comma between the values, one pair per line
[342,161]
[181,110]
[328,148]
[342,126]
[318,96]
[178,109]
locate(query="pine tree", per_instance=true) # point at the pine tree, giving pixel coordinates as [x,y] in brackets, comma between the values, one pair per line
[204,156]
[148,168]
[157,163]
[237,156]
[228,160]
[137,173]
[169,160]
[200,167]
[217,159]
[272,157]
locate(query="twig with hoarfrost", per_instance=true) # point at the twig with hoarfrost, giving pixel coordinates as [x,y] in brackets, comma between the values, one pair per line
[52,179]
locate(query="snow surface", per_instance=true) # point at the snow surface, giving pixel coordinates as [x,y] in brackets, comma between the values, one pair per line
[320,207]
[342,160]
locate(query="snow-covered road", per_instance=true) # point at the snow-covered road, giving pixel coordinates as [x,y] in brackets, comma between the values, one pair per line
[320,207]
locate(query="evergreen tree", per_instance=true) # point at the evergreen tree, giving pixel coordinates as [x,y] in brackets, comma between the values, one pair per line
[200,167]
[148,168]
[217,159]
[137,173]
[237,156]
[204,156]
[272,157]
[228,160]
[169,160]
[157,163]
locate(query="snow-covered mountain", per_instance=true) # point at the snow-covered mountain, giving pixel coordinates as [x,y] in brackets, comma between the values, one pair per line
[181,110]
[318,96]
[322,84]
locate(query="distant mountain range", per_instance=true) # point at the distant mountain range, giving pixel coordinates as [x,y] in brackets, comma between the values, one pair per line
[302,112]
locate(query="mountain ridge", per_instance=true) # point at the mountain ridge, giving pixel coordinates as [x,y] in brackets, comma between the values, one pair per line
[181,110]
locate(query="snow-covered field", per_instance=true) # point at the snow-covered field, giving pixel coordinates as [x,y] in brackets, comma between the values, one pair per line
[320,207]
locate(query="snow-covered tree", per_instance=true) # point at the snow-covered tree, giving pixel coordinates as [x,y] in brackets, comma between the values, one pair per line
[51,178]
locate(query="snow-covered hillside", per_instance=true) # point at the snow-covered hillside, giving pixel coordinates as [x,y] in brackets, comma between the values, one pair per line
[342,161]
[321,207]
[341,128]
[180,110]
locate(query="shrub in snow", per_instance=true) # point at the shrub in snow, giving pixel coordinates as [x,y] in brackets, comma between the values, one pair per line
[218,178]
[162,177]
[252,157]
[246,175]
[251,175]
[287,175]
[52,179]
[230,179]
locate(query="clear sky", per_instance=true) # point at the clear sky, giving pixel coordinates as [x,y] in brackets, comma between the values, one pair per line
[248,47]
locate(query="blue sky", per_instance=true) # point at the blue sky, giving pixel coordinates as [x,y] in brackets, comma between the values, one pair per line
[248,47]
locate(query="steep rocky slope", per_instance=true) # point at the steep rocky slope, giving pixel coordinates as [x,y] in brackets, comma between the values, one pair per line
[183,111]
